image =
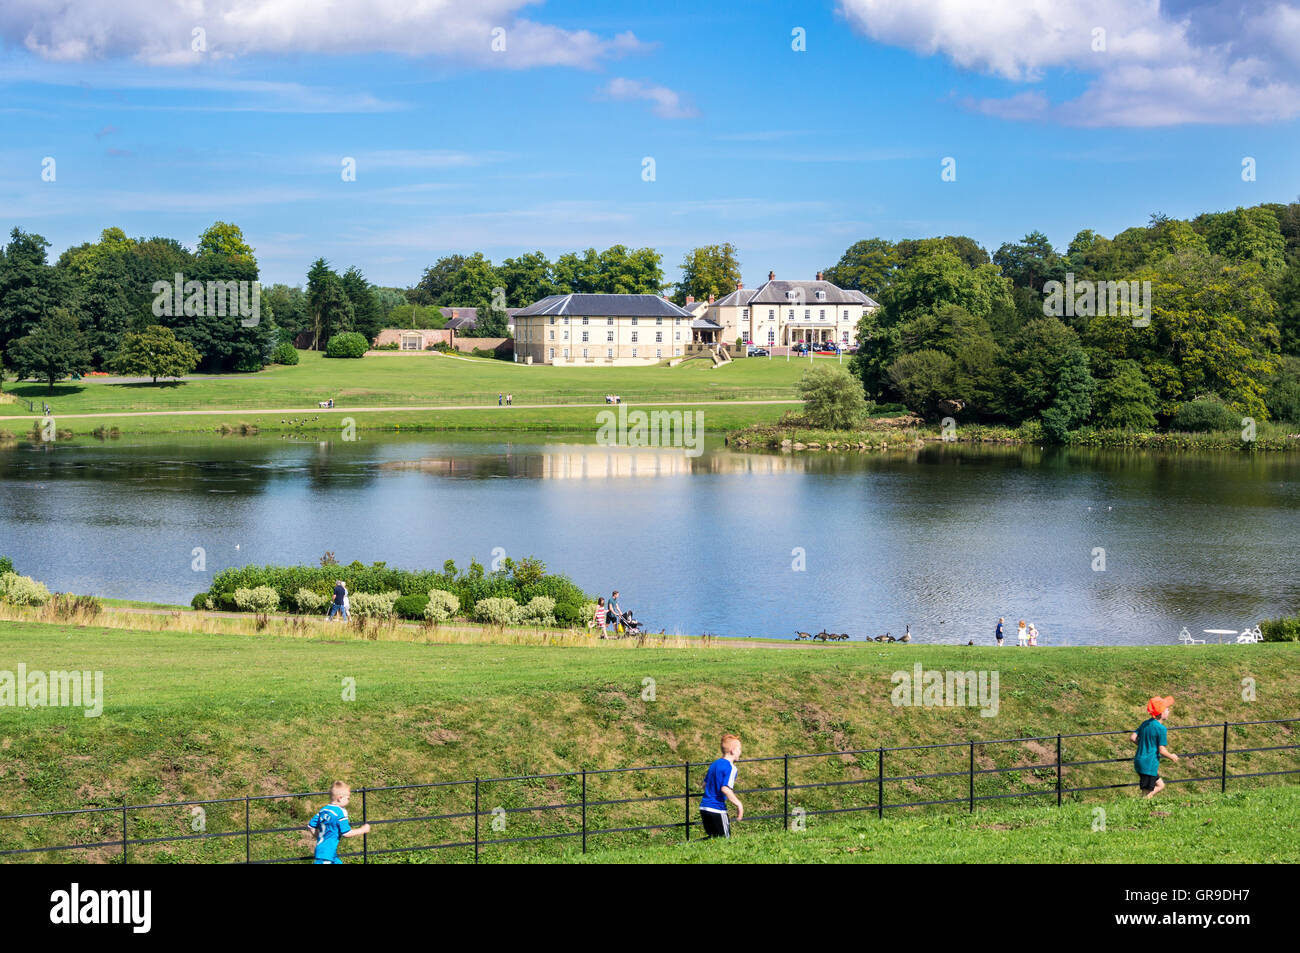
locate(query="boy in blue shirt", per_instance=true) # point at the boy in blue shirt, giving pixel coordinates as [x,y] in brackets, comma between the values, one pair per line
[331,823]
[719,788]
[1151,739]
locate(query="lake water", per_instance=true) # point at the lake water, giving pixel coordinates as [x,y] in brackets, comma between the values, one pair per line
[945,539]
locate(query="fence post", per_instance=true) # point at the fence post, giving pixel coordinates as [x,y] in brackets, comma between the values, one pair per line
[972,777]
[248,831]
[1058,770]
[880,782]
[686,800]
[124,833]
[785,791]
[584,810]
[365,856]
[476,820]
[1223,776]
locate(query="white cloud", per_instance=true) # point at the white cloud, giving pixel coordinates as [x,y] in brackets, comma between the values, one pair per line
[1211,61]
[667,103]
[160,32]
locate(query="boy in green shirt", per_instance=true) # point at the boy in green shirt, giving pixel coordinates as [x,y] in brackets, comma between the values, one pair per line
[1151,739]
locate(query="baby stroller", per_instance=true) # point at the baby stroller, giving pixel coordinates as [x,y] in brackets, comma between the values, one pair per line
[625,624]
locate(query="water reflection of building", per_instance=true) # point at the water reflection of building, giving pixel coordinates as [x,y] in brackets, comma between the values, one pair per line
[598,463]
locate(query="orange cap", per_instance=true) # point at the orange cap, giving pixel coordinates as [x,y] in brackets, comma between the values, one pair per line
[1158,706]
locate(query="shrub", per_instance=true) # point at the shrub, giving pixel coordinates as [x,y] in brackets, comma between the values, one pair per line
[347,344]
[411,607]
[1205,414]
[833,398]
[373,605]
[284,353]
[22,590]
[6,565]
[310,602]
[569,613]
[497,611]
[540,610]
[261,599]
[441,606]
[1281,630]
[200,601]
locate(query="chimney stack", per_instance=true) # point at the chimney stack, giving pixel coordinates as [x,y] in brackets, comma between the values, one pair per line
[819,276]
[690,299]
[771,276]
[711,297]
[739,285]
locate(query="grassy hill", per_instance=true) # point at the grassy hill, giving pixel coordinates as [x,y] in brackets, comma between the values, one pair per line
[190,716]
[394,379]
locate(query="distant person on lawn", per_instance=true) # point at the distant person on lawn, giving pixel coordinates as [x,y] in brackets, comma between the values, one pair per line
[997,633]
[340,603]
[331,823]
[614,613]
[598,620]
[1151,739]
[719,788]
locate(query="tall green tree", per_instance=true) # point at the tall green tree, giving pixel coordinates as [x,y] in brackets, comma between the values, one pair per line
[54,349]
[708,270]
[154,352]
[1048,377]
[526,278]
[366,319]
[867,266]
[29,287]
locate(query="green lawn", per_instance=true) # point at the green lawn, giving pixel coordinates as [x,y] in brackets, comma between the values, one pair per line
[1240,827]
[391,379]
[190,716]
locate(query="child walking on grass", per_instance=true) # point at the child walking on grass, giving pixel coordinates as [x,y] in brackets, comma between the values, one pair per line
[1151,739]
[331,823]
[719,788]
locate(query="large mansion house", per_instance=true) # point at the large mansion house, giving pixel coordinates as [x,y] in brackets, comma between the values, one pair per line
[605,329]
[782,313]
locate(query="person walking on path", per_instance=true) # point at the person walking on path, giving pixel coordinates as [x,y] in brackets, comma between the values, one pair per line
[598,620]
[510,399]
[1151,739]
[997,633]
[499,398]
[340,603]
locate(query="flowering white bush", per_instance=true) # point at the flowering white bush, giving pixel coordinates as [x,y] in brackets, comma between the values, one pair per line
[373,605]
[262,599]
[497,611]
[309,602]
[22,590]
[442,606]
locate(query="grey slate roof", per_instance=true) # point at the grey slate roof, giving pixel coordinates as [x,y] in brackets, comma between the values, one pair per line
[704,324]
[606,306]
[774,292]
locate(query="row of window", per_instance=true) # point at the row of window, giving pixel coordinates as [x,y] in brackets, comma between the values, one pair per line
[609,353]
[609,336]
[659,320]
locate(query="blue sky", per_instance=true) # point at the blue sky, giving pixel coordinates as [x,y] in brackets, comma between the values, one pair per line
[791,155]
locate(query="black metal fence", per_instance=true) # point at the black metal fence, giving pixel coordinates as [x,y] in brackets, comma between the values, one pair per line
[272,826]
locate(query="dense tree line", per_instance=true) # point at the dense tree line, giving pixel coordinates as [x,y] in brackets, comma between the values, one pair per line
[1028,333]
[74,314]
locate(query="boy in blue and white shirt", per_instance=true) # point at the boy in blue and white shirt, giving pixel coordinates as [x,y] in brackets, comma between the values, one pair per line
[331,823]
[719,788]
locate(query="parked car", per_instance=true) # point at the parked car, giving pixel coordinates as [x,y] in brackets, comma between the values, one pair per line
[758,352]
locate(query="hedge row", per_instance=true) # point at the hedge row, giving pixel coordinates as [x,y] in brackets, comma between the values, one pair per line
[522,582]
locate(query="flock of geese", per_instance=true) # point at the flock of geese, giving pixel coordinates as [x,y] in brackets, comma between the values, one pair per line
[824,636]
